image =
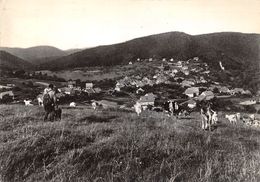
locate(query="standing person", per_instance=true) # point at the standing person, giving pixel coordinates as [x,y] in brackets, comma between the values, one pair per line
[206,115]
[49,102]
[171,109]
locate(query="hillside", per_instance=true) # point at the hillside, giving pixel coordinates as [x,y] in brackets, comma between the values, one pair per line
[34,54]
[234,49]
[11,62]
[117,145]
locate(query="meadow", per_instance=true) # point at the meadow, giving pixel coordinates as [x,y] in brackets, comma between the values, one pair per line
[117,145]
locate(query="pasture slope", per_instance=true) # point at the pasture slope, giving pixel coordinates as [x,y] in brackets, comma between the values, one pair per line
[113,145]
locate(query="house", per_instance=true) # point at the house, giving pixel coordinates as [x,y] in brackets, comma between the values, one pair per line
[42,84]
[185,68]
[139,91]
[247,92]
[130,63]
[89,91]
[192,92]
[161,79]
[7,93]
[248,102]
[71,84]
[175,71]
[196,59]
[224,90]
[206,95]
[192,103]
[5,87]
[68,90]
[147,81]
[179,64]
[107,104]
[147,100]
[237,91]
[186,72]
[139,84]
[120,84]
[187,83]
[89,85]
[10,85]
[97,90]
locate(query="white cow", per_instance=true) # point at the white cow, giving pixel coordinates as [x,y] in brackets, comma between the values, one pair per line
[251,116]
[233,118]
[138,108]
[214,117]
[28,103]
[94,105]
[40,101]
[72,104]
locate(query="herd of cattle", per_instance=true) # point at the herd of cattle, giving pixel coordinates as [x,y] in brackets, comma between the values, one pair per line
[207,120]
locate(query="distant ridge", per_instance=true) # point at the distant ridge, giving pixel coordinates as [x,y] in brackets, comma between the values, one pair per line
[38,54]
[11,62]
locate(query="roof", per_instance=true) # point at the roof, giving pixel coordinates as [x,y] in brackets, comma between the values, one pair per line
[89,84]
[107,103]
[191,101]
[206,95]
[224,89]
[97,90]
[7,92]
[150,97]
[192,90]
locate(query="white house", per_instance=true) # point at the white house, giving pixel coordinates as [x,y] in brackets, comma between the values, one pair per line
[248,102]
[89,85]
[192,92]
[146,100]
[9,93]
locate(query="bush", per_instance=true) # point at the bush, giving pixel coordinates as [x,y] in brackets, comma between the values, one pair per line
[250,109]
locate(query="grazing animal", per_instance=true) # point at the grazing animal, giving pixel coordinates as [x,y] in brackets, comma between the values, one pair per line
[214,117]
[40,101]
[94,105]
[138,108]
[72,104]
[233,118]
[28,103]
[251,116]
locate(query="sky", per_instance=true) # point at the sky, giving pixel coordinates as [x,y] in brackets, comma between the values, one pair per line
[68,24]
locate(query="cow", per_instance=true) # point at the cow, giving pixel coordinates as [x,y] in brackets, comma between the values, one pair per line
[138,108]
[40,101]
[72,104]
[28,103]
[94,105]
[251,116]
[233,118]
[214,117]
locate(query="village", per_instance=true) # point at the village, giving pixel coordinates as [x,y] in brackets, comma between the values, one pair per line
[185,82]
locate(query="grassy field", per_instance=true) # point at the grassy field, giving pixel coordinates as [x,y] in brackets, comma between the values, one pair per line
[116,145]
[101,73]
